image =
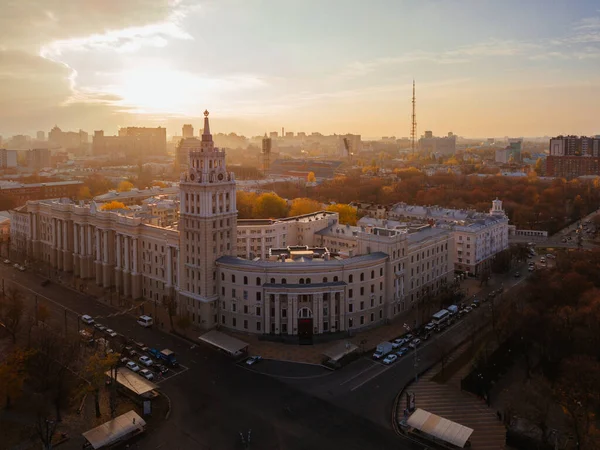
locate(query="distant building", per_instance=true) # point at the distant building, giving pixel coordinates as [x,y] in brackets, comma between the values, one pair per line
[429,144]
[289,134]
[273,134]
[354,144]
[41,136]
[8,158]
[573,156]
[302,167]
[72,140]
[38,158]
[131,141]
[187,131]
[512,153]
[22,193]
[136,196]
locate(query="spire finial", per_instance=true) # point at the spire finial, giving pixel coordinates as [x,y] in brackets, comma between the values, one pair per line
[206,131]
[206,113]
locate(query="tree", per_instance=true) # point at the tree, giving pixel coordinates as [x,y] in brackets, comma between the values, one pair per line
[13,374]
[95,372]
[110,206]
[269,206]
[84,193]
[12,310]
[534,402]
[183,323]
[42,313]
[98,184]
[159,184]
[244,202]
[301,206]
[125,186]
[170,304]
[311,177]
[348,214]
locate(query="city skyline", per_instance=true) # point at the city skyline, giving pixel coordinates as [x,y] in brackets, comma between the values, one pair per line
[482,69]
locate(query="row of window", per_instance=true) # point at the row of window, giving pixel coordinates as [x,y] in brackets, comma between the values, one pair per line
[306,280]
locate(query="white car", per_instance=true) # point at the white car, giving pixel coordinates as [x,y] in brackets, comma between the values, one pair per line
[146,361]
[389,359]
[415,343]
[397,343]
[147,374]
[132,366]
[468,309]
[87,319]
[111,333]
[7,261]
[253,360]
[22,268]
[99,327]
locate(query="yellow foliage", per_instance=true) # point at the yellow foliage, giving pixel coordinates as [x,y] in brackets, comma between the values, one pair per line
[301,206]
[13,373]
[311,177]
[113,205]
[125,186]
[269,206]
[245,201]
[84,193]
[348,214]
[159,184]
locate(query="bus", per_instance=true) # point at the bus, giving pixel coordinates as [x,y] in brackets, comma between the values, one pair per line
[440,316]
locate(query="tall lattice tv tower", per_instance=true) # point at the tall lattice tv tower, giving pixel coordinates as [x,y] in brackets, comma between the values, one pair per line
[413,127]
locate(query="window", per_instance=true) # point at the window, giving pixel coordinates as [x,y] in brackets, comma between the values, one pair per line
[335,279]
[245,324]
[258,281]
[232,278]
[234,322]
[350,279]
[245,309]
[381,271]
[301,280]
[362,320]
[284,313]
[324,279]
[381,313]
[349,293]
[283,281]
[372,288]
[362,291]
[258,297]
[258,310]
[272,280]
[233,307]
[350,323]
[257,326]
[362,305]
[222,277]
[245,280]
[362,277]
[223,319]
[372,317]
[233,293]
[350,307]
[372,274]
[308,281]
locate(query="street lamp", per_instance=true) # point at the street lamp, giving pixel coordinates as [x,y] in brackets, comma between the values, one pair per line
[416,362]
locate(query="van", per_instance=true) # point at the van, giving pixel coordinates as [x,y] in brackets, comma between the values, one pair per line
[145,321]
[87,319]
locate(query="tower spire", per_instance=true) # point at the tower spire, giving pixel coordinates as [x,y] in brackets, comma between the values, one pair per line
[413,127]
[206,131]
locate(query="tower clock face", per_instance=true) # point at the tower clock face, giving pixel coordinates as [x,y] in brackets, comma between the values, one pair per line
[192,177]
[220,177]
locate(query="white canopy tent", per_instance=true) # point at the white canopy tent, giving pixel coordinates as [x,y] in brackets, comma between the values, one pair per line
[440,428]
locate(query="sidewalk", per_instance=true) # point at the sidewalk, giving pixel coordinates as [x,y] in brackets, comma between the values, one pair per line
[448,401]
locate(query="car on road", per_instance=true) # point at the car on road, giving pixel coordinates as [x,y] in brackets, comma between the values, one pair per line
[147,374]
[21,268]
[474,305]
[145,361]
[531,268]
[7,261]
[87,319]
[389,359]
[16,265]
[111,333]
[99,326]
[124,361]
[403,351]
[517,274]
[160,368]
[397,343]
[253,360]
[468,309]
[430,327]
[408,337]
[132,366]
[415,343]
[550,256]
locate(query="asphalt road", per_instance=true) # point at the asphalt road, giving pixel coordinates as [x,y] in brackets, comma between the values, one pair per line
[216,399]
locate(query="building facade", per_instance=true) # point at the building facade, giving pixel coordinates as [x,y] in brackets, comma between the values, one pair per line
[573,156]
[131,142]
[8,159]
[285,282]
[22,193]
[38,158]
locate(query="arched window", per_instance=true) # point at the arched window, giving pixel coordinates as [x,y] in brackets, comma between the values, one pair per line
[245,280]
[335,279]
[308,281]
[258,281]
[362,277]
[372,274]
[301,280]
[283,281]
[324,279]
[272,280]
[304,313]
[350,278]
[232,278]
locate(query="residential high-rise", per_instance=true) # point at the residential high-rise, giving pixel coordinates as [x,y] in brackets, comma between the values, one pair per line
[134,142]
[429,144]
[207,226]
[573,156]
[8,159]
[38,158]
[187,131]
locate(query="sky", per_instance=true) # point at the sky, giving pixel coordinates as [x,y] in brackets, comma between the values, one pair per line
[483,68]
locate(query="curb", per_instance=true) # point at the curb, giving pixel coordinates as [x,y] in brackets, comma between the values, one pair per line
[168,414]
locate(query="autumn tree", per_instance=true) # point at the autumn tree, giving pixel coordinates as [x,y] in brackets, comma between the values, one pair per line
[301,206]
[97,184]
[95,372]
[269,206]
[125,186]
[245,202]
[311,178]
[84,193]
[111,206]
[12,310]
[348,214]
[13,374]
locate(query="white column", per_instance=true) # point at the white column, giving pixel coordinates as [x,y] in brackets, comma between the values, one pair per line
[135,258]
[105,246]
[127,265]
[277,315]
[59,234]
[35,231]
[75,239]
[342,324]
[267,314]
[54,235]
[118,239]
[320,313]
[169,266]
[65,240]
[82,240]
[98,254]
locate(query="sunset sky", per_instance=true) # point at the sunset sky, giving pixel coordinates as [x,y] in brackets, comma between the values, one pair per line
[482,67]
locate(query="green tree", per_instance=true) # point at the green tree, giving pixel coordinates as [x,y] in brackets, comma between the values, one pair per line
[269,206]
[348,214]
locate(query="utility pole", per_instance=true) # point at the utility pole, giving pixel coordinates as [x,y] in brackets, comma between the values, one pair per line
[413,127]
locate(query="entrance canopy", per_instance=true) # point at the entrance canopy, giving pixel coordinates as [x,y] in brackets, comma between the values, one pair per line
[440,428]
[224,342]
[134,382]
[115,430]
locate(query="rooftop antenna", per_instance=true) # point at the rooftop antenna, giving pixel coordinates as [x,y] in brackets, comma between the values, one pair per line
[413,127]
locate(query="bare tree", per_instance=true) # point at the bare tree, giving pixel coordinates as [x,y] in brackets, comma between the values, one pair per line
[170,304]
[534,402]
[12,310]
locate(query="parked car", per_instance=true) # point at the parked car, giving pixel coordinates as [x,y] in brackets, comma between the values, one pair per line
[408,337]
[21,268]
[474,305]
[87,319]
[99,327]
[111,333]
[124,361]
[531,268]
[396,343]
[550,256]
[253,360]
[403,351]
[468,309]
[7,261]
[389,359]
[145,361]
[147,374]
[415,343]
[160,368]
[132,366]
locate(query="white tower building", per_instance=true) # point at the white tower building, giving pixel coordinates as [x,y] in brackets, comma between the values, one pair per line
[207,227]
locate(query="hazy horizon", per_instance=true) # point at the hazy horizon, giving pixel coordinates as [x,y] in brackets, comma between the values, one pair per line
[483,68]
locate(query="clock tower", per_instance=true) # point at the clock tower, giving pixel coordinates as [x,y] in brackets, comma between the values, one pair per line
[207,228]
